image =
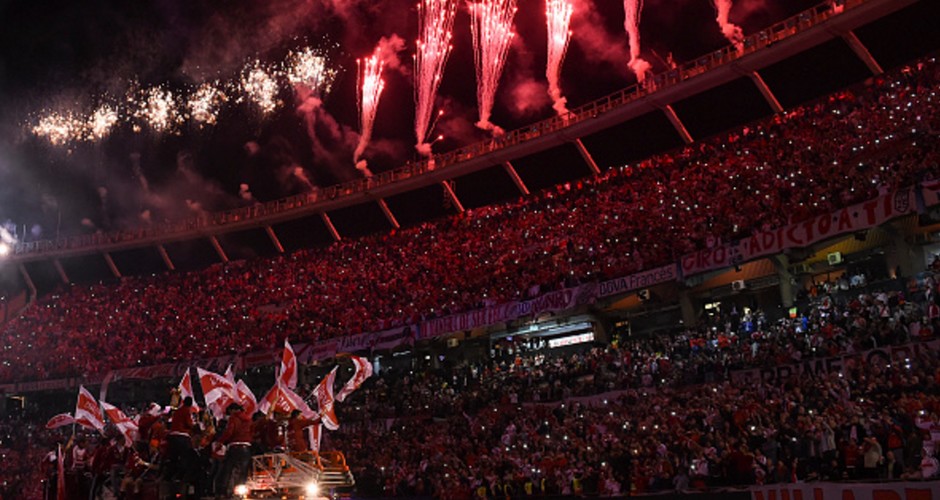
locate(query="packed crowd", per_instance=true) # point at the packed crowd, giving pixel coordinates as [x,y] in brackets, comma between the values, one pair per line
[638,415]
[844,149]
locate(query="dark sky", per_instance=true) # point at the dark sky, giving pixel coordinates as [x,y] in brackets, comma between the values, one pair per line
[64,55]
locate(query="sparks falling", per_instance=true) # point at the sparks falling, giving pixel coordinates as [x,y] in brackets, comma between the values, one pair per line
[558,19]
[157,107]
[59,128]
[631,24]
[370,90]
[310,68]
[491,30]
[260,87]
[731,31]
[435,30]
[100,123]
[205,103]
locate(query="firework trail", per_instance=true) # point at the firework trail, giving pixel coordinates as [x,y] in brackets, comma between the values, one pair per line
[260,87]
[731,31]
[631,24]
[491,30]
[370,90]
[435,30]
[558,19]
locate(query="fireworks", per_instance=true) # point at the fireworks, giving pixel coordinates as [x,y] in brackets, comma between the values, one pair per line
[310,68]
[100,123]
[260,87]
[369,91]
[60,129]
[491,30]
[205,103]
[435,24]
[158,108]
[557,18]
[631,24]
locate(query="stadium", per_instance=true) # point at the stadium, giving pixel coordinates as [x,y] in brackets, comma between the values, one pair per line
[351,249]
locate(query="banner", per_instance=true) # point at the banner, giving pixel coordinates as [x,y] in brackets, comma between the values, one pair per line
[849,491]
[820,366]
[858,217]
[637,281]
[931,193]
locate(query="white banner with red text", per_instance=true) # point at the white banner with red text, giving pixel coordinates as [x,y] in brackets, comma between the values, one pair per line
[858,217]
[849,491]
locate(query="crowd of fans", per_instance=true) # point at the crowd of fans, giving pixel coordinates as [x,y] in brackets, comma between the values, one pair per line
[844,149]
[638,415]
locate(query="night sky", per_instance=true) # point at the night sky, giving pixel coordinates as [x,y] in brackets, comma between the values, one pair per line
[62,56]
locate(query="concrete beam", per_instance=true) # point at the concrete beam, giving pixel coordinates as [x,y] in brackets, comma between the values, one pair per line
[274,239]
[330,226]
[515,178]
[587,157]
[218,248]
[61,270]
[862,52]
[766,92]
[166,258]
[388,213]
[29,282]
[677,124]
[449,192]
[111,265]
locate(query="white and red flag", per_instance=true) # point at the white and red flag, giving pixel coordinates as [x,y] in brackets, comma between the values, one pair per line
[218,391]
[284,400]
[186,387]
[60,420]
[363,372]
[87,411]
[246,398]
[325,400]
[123,423]
[288,372]
[314,433]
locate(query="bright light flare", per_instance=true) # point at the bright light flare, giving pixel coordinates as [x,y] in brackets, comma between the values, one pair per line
[60,128]
[4,250]
[260,87]
[557,19]
[435,31]
[491,30]
[312,489]
[158,108]
[205,103]
[369,92]
[310,68]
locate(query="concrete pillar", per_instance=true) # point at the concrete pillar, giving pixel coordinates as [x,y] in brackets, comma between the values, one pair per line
[787,294]
[274,239]
[166,258]
[587,157]
[61,270]
[766,92]
[901,254]
[689,308]
[218,248]
[515,178]
[330,226]
[677,124]
[111,265]
[388,213]
[862,52]
[449,192]
[29,282]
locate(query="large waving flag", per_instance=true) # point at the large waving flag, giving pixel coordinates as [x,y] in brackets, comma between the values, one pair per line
[246,398]
[363,372]
[186,387]
[288,372]
[284,400]
[218,391]
[325,400]
[126,426]
[87,412]
[60,420]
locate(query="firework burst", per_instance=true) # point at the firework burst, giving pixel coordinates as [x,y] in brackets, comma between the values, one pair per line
[205,103]
[260,87]
[435,30]
[491,30]
[311,68]
[59,128]
[158,108]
